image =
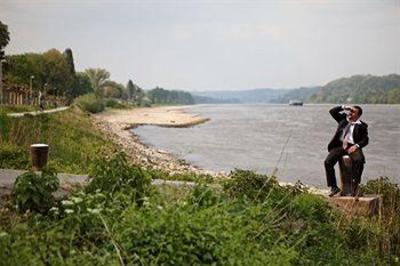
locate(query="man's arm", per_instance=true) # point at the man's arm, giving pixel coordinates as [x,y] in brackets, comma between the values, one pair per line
[336,113]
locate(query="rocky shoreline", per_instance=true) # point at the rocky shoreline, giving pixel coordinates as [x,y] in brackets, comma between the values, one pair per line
[116,126]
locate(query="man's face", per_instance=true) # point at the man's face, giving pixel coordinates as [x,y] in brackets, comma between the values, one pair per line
[353,114]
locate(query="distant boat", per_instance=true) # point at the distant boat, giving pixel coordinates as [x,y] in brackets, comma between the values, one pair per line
[296,103]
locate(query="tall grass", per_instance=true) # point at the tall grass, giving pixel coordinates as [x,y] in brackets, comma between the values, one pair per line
[71,136]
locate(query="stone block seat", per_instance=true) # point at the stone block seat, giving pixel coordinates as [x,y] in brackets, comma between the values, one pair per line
[364,205]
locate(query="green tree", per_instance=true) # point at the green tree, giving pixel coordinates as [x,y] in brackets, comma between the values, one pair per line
[162,96]
[4,38]
[112,89]
[98,78]
[49,68]
[131,88]
[81,85]
[56,72]
[70,60]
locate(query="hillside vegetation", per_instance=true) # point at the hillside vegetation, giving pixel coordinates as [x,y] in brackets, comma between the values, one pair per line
[360,89]
[355,89]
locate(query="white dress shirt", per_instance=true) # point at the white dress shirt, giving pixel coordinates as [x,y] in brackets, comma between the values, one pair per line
[349,136]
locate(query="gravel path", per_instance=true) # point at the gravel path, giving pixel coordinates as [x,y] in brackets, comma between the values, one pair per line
[8,177]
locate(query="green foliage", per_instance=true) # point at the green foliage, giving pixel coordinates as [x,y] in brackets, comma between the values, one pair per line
[98,79]
[50,67]
[161,96]
[114,89]
[389,241]
[13,157]
[70,61]
[113,103]
[131,88]
[71,136]
[33,192]
[259,188]
[81,85]
[4,38]
[114,174]
[90,103]
[390,191]
[16,109]
[361,89]
[310,207]
[105,225]
[185,176]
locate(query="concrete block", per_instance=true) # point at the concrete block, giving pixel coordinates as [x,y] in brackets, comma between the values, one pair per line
[367,205]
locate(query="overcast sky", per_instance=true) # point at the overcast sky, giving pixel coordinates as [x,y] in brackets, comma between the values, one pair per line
[214,45]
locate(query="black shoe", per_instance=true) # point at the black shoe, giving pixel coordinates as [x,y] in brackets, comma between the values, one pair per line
[334,191]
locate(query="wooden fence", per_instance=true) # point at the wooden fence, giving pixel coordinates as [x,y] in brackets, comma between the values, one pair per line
[20,95]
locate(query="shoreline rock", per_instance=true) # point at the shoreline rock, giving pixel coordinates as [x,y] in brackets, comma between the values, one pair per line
[117,125]
[117,130]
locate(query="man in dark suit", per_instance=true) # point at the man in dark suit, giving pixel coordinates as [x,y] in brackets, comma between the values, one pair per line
[350,138]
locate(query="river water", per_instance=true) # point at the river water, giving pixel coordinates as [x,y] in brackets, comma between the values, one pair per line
[291,139]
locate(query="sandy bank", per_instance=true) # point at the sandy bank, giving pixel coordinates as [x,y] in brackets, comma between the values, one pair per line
[115,125]
[167,116]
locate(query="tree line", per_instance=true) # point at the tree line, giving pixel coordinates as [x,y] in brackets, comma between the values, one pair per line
[53,72]
[361,89]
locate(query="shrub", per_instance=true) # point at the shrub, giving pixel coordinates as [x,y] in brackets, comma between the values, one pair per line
[35,192]
[390,192]
[12,156]
[259,188]
[388,238]
[113,103]
[90,103]
[114,174]
[311,207]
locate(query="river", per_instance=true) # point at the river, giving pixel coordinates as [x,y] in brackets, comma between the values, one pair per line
[291,139]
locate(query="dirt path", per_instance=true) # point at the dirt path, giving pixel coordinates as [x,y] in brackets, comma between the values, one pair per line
[35,113]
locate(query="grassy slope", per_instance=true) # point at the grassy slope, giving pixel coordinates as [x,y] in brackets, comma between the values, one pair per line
[73,140]
[16,108]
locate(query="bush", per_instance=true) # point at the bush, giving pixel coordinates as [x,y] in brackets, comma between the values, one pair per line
[13,157]
[390,192]
[260,188]
[388,237]
[113,103]
[114,174]
[90,103]
[35,192]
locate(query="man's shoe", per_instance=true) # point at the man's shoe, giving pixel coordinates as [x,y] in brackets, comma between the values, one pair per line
[334,191]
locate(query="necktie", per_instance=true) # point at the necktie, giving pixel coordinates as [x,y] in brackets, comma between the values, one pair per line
[346,135]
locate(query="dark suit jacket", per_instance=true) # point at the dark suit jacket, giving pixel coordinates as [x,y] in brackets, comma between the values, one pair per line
[360,132]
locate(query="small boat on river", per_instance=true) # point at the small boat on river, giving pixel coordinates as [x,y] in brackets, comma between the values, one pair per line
[295,103]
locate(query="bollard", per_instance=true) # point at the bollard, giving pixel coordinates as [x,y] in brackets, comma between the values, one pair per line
[39,156]
[346,175]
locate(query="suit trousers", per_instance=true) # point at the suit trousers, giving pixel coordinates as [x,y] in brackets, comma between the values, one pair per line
[334,156]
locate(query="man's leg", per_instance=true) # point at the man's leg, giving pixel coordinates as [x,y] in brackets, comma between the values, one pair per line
[330,161]
[358,165]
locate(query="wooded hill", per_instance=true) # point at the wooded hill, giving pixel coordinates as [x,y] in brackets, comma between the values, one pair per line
[360,89]
[355,89]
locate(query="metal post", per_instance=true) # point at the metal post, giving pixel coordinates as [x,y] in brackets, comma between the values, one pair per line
[30,89]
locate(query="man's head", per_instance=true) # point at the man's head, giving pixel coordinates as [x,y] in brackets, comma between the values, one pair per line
[355,113]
